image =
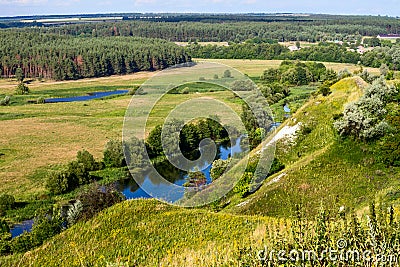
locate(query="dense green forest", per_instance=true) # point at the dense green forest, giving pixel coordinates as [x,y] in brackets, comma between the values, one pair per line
[67,57]
[312,29]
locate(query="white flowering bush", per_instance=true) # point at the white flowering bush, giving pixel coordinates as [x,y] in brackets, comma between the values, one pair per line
[365,119]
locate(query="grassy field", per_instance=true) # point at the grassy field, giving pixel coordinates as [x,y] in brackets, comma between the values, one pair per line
[254,68]
[36,137]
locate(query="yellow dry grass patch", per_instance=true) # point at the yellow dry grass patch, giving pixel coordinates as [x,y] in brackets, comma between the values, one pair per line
[33,143]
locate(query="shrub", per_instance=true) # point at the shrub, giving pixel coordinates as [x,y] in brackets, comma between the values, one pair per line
[195,179]
[242,188]
[114,154]
[133,90]
[45,227]
[6,101]
[22,89]
[57,182]
[21,243]
[219,167]
[5,237]
[365,119]
[87,160]
[40,100]
[345,73]
[227,74]
[78,175]
[97,198]
[324,89]
[276,166]
[7,202]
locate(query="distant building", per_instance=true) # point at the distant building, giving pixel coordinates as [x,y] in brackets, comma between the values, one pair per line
[361,49]
[388,36]
[293,48]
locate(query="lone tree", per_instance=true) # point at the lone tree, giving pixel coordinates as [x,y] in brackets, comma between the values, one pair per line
[19,75]
[227,74]
[22,89]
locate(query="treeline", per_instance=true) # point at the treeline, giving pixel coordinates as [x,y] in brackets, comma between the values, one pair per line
[67,57]
[224,29]
[389,56]
[323,52]
[248,50]
[252,50]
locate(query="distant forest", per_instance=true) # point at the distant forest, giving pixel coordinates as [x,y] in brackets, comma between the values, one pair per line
[66,57]
[135,43]
[232,28]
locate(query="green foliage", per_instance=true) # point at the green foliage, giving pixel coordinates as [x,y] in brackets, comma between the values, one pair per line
[19,75]
[87,160]
[57,182]
[381,56]
[276,167]
[40,100]
[237,51]
[296,76]
[218,168]
[153,142]
[195,179]
[271,75]
[22,89]
[344,73]
[373,42]
[243,186]
[95,199]
[113,155]
[227,74]
[90,57]
[324,89]
[6,101]
[7,202]
[366,76]
[323,52]
[135,154]
[75,174]
[364,119]
[45,226]
[5,237]
[243,85]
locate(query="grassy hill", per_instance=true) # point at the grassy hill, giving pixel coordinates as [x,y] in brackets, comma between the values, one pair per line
[321,167]
[149,233]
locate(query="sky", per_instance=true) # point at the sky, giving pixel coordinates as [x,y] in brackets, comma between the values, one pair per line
[46,7]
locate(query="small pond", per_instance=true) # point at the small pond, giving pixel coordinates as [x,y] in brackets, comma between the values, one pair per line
[90,96]
[19,229]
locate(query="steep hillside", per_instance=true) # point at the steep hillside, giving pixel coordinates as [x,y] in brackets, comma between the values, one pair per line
[149,233]
[321,167]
